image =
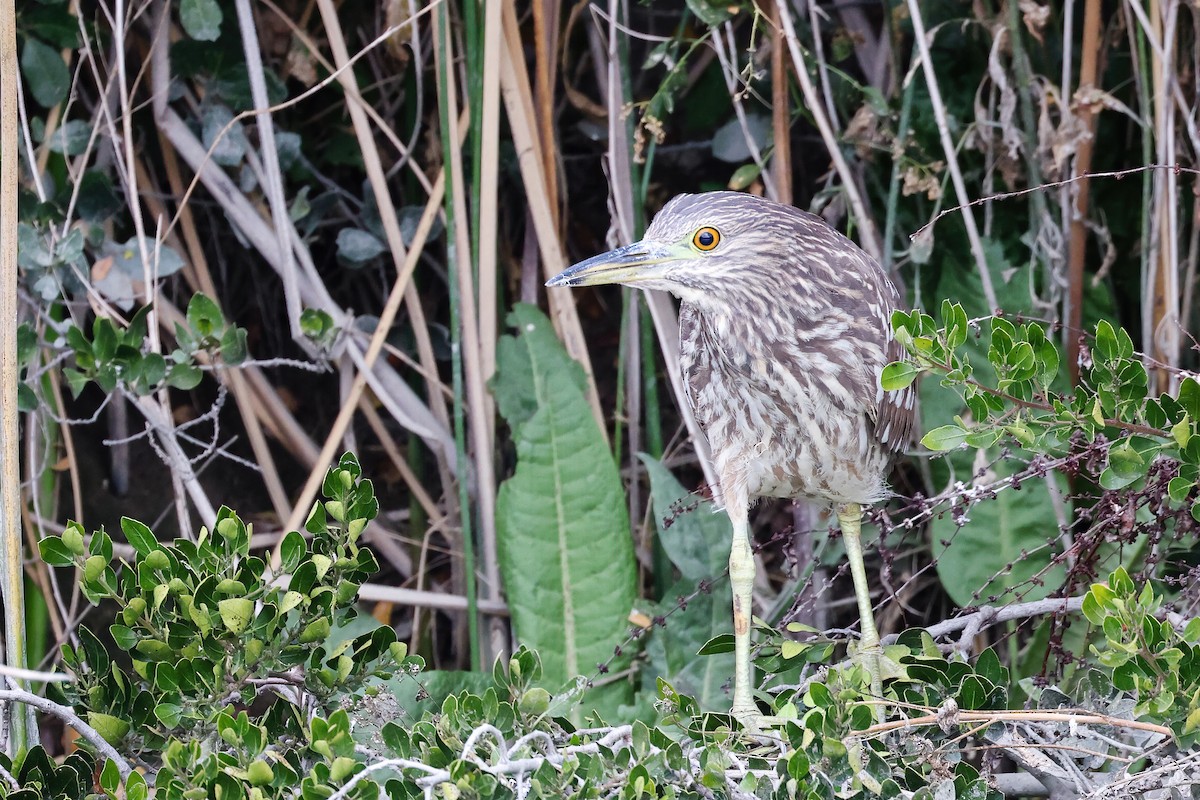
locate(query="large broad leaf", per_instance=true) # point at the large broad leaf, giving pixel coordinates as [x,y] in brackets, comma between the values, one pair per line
[695,535]
[696,538]
[1011,528]
[562,525]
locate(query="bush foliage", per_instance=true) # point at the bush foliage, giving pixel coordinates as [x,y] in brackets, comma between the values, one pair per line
[340,216]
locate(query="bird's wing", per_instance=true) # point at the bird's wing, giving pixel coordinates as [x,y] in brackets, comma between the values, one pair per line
[897,409]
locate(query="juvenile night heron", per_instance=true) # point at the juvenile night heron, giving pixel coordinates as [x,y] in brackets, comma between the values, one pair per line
[785,327]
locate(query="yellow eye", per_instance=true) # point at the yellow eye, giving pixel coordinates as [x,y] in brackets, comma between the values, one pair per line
[706,239]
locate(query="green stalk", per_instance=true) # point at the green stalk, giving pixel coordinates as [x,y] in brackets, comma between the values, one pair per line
[1145,102]
[445,74]
[889,224]
[654,434]
[651,401]
[629,304]
[474,39]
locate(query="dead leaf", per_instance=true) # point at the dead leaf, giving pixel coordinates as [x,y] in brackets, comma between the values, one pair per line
[1035,17]
[923,179]
[101,269]
[640,618]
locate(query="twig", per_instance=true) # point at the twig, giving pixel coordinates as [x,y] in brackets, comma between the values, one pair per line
[273,185]
[68,715]
[1118,174]
[35,675]
[1066,717]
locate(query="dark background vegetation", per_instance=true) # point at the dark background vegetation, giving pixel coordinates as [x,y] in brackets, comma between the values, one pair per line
[578,121]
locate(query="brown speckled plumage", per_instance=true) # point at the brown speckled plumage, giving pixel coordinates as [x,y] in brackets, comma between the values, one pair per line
[782,353]
[785,328]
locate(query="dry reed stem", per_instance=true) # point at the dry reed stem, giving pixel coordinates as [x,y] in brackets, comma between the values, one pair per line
[869,236]
[482,446]
[951,154]
[19,720]
[1161,332]
[422,598]
[1077,238]
[514,86]
[387,212]
[346,412]
[781,156]
[489,169]
[545,40]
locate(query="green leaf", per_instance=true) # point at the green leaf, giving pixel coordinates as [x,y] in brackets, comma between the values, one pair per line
[562,523]
[710,12]
[124,637]
[1092,609]
[946,437]
[695,536]
[112,729]
[1106,340]
[1189,396]
[139,536]
[26,398]
[743,176]
[291,550]
[204,316]
[45,74]
[169,714]
[233,345]
[356,247]
[236,613]
[104,339]
[27,342]
[71,138]
[1125,461]
[55,553]
[184,376]
[201,19]
[898,375]
[978,557]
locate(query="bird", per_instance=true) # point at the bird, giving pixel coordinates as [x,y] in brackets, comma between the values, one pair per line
[784,331]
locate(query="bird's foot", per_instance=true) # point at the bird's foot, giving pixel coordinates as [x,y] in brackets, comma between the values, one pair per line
[753,721]
[870,659]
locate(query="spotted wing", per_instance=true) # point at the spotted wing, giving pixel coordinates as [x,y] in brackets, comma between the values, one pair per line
[897,409]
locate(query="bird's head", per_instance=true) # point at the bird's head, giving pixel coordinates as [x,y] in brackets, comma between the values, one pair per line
[700,247]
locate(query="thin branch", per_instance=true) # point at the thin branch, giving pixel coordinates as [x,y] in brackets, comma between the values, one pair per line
[1061,716]
[68,715]
[1118,174]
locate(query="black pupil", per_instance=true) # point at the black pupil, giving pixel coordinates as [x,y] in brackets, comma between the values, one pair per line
[706,239]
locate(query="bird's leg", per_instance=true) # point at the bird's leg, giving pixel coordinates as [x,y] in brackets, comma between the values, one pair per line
[850,518]
[741,578]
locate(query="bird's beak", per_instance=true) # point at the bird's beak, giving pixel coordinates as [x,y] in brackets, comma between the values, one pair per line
[626,265]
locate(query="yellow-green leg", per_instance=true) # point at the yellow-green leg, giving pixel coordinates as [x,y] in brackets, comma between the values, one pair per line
[850,518]
[741,579]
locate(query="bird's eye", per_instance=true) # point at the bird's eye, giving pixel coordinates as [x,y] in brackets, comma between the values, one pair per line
[706,239]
